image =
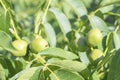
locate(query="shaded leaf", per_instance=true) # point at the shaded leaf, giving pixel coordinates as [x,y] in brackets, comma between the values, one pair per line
[65,75]
[36,75]
[2,73]
[87,2]
[115,67]
[62,20]
[21,72]
[11,66]
[57,52]
[4,68]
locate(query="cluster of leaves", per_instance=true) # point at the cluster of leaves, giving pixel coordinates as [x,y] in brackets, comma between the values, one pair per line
[61,23]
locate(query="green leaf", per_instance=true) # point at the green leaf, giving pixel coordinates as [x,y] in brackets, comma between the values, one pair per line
[70,65]
[78,6]
[36,75]
[29,73]
[109,2]
[50,34]
[18,74]
[38,19]
[6,3]
[114,73]
[13,66]
[2,73]
[84,58]
[4,67]
[57,52]
[5,41]
[62,20]
[4,22]
[65,75]
[87,3]
[109,41]
[107,8]
[113,14]
[95,76]
[116,39]
[97,22]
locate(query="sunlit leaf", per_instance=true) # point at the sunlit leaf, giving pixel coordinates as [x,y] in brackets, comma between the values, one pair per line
[31,72]
[70,65]
[62,20]
[65,75]
[50,34]
[95,76]
[109,40]
[107,8]
[57,52]
[97,22]
[116,39]
[78,6]
[109,2]
[84,58]
[4,22]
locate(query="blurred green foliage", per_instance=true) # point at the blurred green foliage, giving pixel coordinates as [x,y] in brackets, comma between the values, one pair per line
[63,23]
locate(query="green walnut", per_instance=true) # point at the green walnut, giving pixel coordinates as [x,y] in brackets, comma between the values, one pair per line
[96,54]
[81,44]
[94,37]
[20,46]
[38,45]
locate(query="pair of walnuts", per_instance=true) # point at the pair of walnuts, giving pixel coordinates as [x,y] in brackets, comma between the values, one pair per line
[38,44]
[95,38]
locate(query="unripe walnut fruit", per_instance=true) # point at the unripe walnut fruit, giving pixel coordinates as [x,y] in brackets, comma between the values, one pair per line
[96,54]
[20,46]
[94,37]
[81,44]
[38,45]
